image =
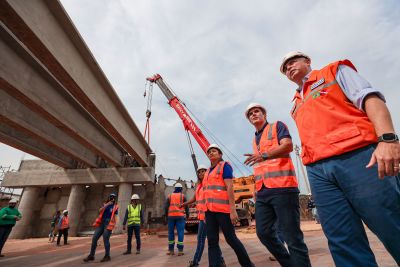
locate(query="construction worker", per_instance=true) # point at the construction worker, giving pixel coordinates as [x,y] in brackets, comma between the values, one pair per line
[104,225]
[8,218]
[63,226]
[345,128]
[202,230]
[220,210]
[276,189]
[176,218]
[134,217]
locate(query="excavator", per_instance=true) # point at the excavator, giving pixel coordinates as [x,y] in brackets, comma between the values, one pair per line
[243,186]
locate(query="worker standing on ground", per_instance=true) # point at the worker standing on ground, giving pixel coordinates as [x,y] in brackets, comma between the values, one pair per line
[134,217]
[176,218]
[63,226]
[202,230]
[220,208]
[53,226]
[104,225]
[8,218]
[276,189]
[345,128]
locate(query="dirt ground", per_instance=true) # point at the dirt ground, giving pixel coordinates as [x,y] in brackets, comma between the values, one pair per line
[38,252]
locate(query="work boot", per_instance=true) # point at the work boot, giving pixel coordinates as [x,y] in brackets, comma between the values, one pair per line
[1,255]
[170,252]
[192,264]
[137,251]
[180,253]
[106,258]
[88,258]
[126,253]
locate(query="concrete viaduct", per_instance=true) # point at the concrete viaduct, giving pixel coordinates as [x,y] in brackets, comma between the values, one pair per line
[57,104]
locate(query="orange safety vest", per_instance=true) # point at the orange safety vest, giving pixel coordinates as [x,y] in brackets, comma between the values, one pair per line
[175,200]
[273,173]
[328,122]
[64,222]
[215,191]
[200,202]
[112,222]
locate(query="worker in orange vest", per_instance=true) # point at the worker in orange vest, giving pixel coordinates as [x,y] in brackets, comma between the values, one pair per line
[176,214]
[104,225]
[276,189]
[198,197]
[220,209]
[345,128]
[63,226]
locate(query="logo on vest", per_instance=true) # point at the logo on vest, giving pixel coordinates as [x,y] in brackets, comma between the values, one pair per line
[318,83]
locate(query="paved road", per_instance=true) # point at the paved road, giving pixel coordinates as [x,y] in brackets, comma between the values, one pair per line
[37,252]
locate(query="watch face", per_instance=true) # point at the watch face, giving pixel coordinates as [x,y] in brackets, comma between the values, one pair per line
[389,136]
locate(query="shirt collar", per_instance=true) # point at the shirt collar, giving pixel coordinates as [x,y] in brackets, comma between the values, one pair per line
[300,88]
[262,129]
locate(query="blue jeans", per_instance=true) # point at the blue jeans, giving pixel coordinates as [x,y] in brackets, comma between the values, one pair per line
[98,232]
[215,221]
[201,240]
[179,222]
[133,228]
[285,209]
[348,194]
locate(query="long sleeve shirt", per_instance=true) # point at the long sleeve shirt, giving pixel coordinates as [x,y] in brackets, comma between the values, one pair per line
[127,213]
[7,216]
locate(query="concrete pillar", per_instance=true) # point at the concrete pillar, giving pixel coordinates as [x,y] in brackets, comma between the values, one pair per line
[75,207]
[124,198]
[27,207]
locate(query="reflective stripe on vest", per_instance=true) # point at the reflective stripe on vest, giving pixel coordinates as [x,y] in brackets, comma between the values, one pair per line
[328,122]
[111,224]
[215,191]
[134,214]
[175,200]
[273,173]
[200,202]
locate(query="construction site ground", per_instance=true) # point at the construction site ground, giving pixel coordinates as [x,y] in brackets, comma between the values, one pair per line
[38,252]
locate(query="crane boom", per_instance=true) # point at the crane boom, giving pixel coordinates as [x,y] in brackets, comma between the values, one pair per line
[180,109]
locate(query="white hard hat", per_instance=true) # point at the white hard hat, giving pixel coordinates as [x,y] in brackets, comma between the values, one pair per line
[202,167]
[291,55]
[135,196]
[178,185]
[253,105]
[65,211]
[13,200]
[214,146]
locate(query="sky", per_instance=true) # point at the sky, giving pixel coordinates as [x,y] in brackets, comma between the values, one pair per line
[219,56]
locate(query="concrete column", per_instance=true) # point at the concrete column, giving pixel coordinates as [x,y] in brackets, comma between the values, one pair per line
[27,207]
[124,198]
[75,206]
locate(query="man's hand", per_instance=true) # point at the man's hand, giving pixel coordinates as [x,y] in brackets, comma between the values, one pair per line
[234,216]
[17,218]
[124,227]
[387,155]
[253,159]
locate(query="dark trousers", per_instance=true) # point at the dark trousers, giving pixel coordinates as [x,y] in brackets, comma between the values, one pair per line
[201,240]
[131,229]
[215,221]
[101,231]
[5,231]
[286,209]
[60,233]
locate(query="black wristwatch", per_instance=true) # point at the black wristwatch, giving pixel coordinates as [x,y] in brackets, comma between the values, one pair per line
[388,138]
[264,156]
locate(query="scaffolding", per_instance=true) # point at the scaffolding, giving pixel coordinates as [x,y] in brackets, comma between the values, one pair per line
[5,192]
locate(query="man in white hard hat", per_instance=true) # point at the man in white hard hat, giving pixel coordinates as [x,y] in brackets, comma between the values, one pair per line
[63,226]
[276,189]
[8,218]
[134,217]
[220,209]
[352,155]
[176,213]
[198,197]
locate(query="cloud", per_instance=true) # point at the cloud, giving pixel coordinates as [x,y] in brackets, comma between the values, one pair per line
[220,55]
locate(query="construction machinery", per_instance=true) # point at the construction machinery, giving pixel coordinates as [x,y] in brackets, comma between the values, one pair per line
[243,186]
